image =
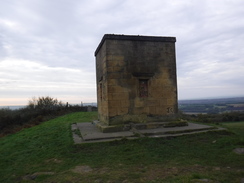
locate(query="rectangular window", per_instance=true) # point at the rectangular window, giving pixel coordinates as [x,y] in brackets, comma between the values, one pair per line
[143,88]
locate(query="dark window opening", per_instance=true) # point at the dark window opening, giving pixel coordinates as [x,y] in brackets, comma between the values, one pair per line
[143,88]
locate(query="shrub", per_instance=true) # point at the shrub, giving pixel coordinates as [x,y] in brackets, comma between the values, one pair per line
[45,103]
[37,111]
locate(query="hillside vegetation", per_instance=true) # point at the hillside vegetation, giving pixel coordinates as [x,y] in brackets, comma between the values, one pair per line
[46,153]
[37,111]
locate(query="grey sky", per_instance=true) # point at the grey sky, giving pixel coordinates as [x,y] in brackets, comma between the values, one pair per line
[47,46]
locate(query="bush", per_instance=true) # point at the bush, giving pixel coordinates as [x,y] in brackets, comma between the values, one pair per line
[45,103]
[37,111]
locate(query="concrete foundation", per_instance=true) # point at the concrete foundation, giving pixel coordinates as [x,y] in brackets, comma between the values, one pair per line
[89,133]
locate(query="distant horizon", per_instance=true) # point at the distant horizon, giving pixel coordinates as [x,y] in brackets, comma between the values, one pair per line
[63,103]
[200,98]
[206,98]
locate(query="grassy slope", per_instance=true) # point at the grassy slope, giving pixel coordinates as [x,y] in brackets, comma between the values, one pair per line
[49,148]
[237,127]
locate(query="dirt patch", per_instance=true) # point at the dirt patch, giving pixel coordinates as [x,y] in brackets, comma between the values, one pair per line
[159,172]
[203,180]
[54,160]
[239,150]
[142,173]
[82,169]
[35,175]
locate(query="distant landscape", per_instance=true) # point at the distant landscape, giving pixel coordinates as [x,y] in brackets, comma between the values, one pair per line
[194,106]
[14,107]
[212,106]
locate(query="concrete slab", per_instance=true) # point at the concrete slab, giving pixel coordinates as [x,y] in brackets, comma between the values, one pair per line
[88,132]
[189,128]
[76,137]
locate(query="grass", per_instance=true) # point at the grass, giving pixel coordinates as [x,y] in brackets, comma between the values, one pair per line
[46,153]
[236,127]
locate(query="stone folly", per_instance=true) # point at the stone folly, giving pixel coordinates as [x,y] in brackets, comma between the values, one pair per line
[136,81]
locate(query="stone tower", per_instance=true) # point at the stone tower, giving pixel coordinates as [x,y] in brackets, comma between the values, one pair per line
[136,80]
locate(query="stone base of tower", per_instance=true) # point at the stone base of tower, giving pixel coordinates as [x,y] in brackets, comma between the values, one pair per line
[138,126]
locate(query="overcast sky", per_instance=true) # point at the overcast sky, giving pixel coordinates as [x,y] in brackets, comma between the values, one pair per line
[47,46]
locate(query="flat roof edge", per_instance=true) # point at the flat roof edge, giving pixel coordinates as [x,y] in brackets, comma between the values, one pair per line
[134,38]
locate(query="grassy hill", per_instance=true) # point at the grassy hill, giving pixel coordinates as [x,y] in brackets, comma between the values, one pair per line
[46,153]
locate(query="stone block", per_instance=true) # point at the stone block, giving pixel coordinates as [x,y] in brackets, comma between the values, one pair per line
[139,102]
[132,118]
[115,89]
[118,69]
[162,110]
[163,102]
[152,102]
[112,111]
[112,82]
[122,111]
[119,96]
[124,103]
[114,103]
[118,58]
[128,77]
[170,102]
[146,110]
[109,57]
[139,110]
[152,110]
[109,69]
[114,75]
[122,63]
[113,63]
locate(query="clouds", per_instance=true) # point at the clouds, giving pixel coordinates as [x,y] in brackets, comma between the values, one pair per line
[40,40]
[27,79]
[211,63]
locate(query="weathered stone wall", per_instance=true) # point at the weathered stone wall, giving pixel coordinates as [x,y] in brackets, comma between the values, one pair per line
[136,79]
[101,70]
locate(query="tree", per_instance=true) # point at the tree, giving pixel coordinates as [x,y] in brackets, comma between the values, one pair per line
[44,103]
